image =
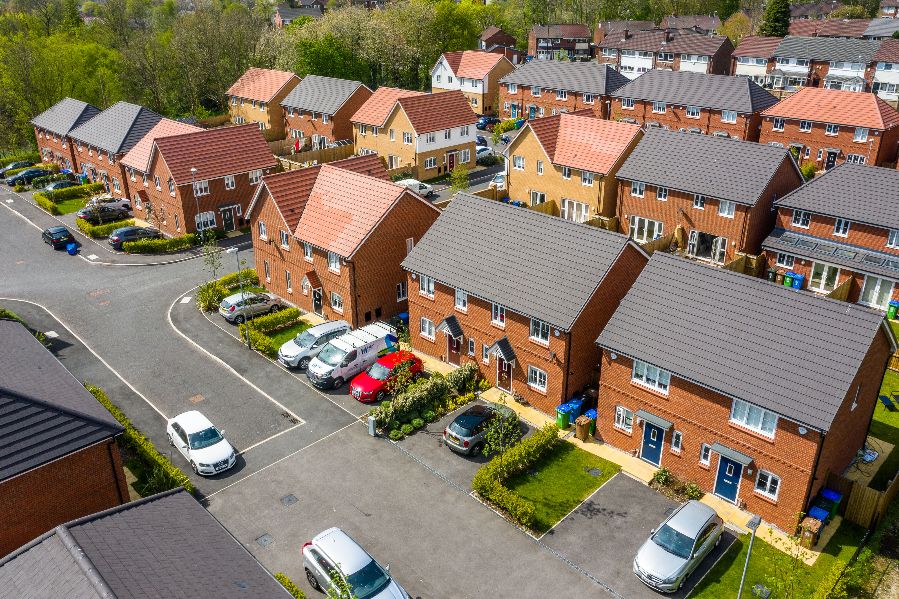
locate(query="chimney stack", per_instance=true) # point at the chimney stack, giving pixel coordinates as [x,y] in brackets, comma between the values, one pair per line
[669,35]
[627,34]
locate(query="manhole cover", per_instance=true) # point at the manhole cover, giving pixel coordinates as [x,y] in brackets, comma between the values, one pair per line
[265,540]
[594,471]
[760,590]
[289,500]
[196,398]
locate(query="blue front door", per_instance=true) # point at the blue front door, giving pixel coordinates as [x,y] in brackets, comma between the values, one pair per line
[652,443]
[514,111]
[727,483]
[532,112]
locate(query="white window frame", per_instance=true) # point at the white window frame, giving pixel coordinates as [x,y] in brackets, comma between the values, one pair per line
[201,188]
[627,103]
[633,228]
[336,302]
[566,172]
[561,94]
[574,211]
[426,328]
[229,182]
[893,238]
[289,281]
[861,134]
[729,116]
[801,219]
[307,251]
[426,286]
[255,176]
[624,419]
[638,189]
[764,489]
[841,227]
[485,353]
[785,260]
[334,262]
[651,376]
[285,238]
[407,138]
[726,208]
[586,178]
[498,315]
[539,167]
[402,291]
[589,99]
[705,454]
[539,331]
[431,162]
[263,234]
[805,126]
[430,137]
[699,201]
[692,112]
[537,379]
[472,344]
[832,129]
[517,162]
[536,197]
[778,124]
[267,270]
[659,107]
[742,414]
[662,194]
[460,301]
[677,441]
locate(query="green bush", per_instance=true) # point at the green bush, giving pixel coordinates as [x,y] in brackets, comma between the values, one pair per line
[160,246]
[663,477]
[45,181]
[15,171]
[288,584]
[460,378]
[25,156]
[808,170]
[98,231]
[79,191]
[429,416]
[165,474]
[692,491]
[503,127]
[407,429]
[231,281]
[210,295]
[395,434]
[46,203]
[262,342]
[418,423]
[19,188]
[276,320]
[483,385]
[394,424]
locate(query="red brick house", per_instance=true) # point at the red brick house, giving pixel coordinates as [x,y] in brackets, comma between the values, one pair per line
[730,382]
[320,248]
[828,127]
[607,28]
[537,89]
[717,105]
[831,62]
[52,127]
[137,161]
[319,110]
[754,58]
[522,295]
[548,42]
[59,459]
[839,232]
[633,54]
[725,211]
[205,179]
[829,27]
[493,36]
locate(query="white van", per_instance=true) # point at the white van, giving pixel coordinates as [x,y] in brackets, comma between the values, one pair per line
[348,355]
[298,352]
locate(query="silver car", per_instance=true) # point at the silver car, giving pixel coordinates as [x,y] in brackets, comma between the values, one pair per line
[467,433]
[238,308]
[677,546]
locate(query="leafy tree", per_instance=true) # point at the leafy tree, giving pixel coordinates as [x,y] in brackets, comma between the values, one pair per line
[736,27]
[502,432]
[849,11]
[459,178]
[776,20]
[212,257]
[788,573]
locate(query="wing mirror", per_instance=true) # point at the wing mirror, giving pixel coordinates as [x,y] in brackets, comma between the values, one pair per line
[652,532]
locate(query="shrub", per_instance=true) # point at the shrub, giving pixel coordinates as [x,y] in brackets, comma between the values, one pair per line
[503,127]
[692,491]
[407,429]
[662,477]
[46,203]
[460,378]
[160,246]
[46,180]
[19,188]
[262,342]
[395,434]
[429,416]
[483,385]
[210,295]
[79,191]
[400,176]
[24,156]
[15,171]
[97,231]
[393,424]
[418,423]
[288,584]
[231,281]
[165,475]
[276,320]
[808,171]
[488,160]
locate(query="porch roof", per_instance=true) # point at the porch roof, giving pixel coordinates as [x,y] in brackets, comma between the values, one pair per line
[732,454]
[503,349]
[450,325]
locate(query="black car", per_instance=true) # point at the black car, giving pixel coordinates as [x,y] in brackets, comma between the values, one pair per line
[58,237]
[57,185]
[102,214]
[118,237]
[480,140]
[27,176]
[12,166]
[486,123]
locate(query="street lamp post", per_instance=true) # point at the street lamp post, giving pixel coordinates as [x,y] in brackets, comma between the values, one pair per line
[753,525]
[236,251]
[193,190]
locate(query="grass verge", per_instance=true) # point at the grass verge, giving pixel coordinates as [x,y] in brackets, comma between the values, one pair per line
[885,426]
[281,337]
[71,205]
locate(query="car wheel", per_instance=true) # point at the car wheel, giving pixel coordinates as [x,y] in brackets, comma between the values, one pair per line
[338,383]
[303,364]
[274,309]
[313,581]
[477,449]
[194,466]
[380,396]
[240,319]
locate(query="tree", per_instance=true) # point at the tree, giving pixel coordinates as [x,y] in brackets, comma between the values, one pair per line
[340,588]
[399,379]
[776,20]
[503,431]
[459,178]
[736,27]
[849,11]
[788,573]
[212,257]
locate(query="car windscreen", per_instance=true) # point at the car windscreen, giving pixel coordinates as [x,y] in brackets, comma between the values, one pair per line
[377,371]
[464,425]
[330,355]
[368,581]
[205,438]
[673,541]
[305,339]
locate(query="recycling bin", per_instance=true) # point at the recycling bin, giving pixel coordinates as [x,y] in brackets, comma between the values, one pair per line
[591,414]
[798,280]
[779,278]
[772,274]
[562,413]
[788,279]
[892,309]
[575,406]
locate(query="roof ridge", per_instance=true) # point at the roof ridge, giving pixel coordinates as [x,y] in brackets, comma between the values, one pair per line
[90,572]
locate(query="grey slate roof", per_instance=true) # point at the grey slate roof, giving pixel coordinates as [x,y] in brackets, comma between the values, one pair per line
[166,545]
[65,115]
[585,77]
[719,92]
[117,128]
[320,94]
[881,28]
[744,337]
[660,156]
[45,413]
[540,266]
[860,193]
[857,258]
[827,48]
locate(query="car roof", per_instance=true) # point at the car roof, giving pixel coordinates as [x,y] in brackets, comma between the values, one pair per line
[474,414]
[192,421]
[407,181]
[691,518]
[346,553]
[236,297]
[57,230]
[392,359]
[327,327]
[124,229]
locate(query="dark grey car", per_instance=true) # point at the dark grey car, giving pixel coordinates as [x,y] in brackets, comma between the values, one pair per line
[120,236]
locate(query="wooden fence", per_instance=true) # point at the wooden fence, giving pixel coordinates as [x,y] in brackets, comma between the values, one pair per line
[549,207]
[609,223]
[662,244]
[862,505]
[312,157]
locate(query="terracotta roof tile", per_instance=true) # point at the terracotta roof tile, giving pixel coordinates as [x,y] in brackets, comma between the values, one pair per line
[757,46]
[379,106]
[569,31]
[434,112]
[138,157]
[805,27]
[368,164]
[853,109]
[584,142]
[888,51]
[472,64]
[215,152]
[830,27]
[261,84]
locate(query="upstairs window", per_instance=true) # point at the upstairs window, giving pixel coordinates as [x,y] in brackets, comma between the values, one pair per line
[307,251]
[728,116]
[638,188]
[692,112]
[539,331]
[201,188]
[841,227]
[255,176]
[561,94]
[658,107]
[726,209]
[627,103]
[778,124]
[587,178]
[407,138]
[753,417]
[805,126]
[831,129]
[426,286]
[662,194]
[498,315]
[801,219]
[333,262]
[699,202]
[861,134]
[461,302]
[285,239]
[651,376]
[229,181]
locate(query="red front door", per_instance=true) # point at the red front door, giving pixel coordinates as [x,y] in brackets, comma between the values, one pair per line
[453,350]
[450,161]
[503,374]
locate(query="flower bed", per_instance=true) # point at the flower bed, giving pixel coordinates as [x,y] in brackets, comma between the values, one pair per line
[672,487]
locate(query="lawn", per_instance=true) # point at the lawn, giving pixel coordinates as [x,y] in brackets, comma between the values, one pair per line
[71,205]
[885,425]
[561,483]
[284,335]
[724,579]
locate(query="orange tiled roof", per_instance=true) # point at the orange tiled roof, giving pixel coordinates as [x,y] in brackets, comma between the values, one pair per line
[380,104]
[854,109]
[584,142]
[138,157]
[260,84]
[472,64]
[433,112]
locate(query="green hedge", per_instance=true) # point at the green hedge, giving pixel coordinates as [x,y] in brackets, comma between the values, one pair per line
[288,584]
[46,203]
[165,474]
[160,246]
[79,191]
[489,479]
[231,281]
[278,320]
[16,171]
[98,231]
[20,157]
[45,181]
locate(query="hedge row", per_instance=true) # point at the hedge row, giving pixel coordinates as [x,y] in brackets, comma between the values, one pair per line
[98,231]
[160,246]
[29,156]
[232,281]
[46,203]
[288,584]
[489,479]
[143,449]
[259,339]
[78,191]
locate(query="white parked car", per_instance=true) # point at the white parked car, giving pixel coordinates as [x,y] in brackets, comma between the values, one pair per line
[109,200]
[482,151]
[498,181]
[415,185]
[299,351]
[201,443]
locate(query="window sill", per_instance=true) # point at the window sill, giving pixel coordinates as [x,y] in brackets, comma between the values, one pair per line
[768,498]
[460,310]
[537,389]
[498,325]
[754,433]
[628,433]
[705,466]
[263,238]
[423,336]
[290,291]
[649,389]
[338,310]
[268,279]
[539,342]
[676,452]
[425,295]
[285,247]
[855,141]
[336,272]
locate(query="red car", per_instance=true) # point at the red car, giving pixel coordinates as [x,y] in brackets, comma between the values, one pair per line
[372,385]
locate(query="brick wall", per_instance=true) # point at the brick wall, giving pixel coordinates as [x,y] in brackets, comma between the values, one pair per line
[81,483]
[762,217]
[338,127]
[879,148]
[675,117]
[55,148]
[102,168]
[547,100]
[272,116]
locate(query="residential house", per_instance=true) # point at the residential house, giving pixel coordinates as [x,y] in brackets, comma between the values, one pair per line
[165,545]
[204,180]
[889,9]
[52,127]
[606,28]
[320,248]
[828,127]
[551,42]
[695,102]
[834,63]
[845,249]
[425,135]
[697,380]
[636,53]
[707,24]
[754,58]
[521,295]
[59,459]
[813,10]
[539,89]
[137,161]
[854,28]
[881,29]
[319,109]
[288,12]
[569,160]
[886,74]
[256,98]
[475,73]
[714,195]
[493,39]
[101,142]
